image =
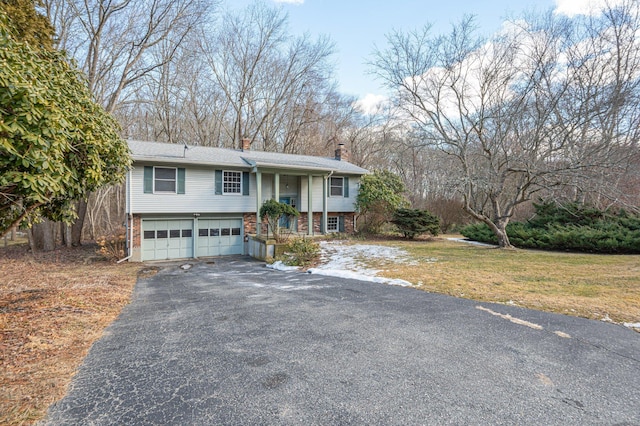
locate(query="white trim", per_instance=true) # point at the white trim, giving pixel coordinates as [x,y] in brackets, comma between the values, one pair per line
[175,180]
[223,181]
[335,186]
[337,228]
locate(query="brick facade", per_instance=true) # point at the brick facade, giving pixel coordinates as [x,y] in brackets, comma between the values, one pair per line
[137,230]
[317,222]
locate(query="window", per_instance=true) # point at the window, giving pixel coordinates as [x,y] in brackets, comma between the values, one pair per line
[149,235]
[164,179]
[174,233]
[231,182]
[336,186]
[186,233]
[332,224]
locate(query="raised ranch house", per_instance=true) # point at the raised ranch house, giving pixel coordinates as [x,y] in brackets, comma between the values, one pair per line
[191,201]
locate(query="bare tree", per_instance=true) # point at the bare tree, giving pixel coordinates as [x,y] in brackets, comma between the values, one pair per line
[119,43]
[542,105]
[264,73]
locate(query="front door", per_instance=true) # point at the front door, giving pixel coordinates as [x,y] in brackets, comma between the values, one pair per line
[288,222]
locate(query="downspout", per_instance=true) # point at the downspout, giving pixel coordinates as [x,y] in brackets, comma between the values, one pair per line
[130,221]
[325,201]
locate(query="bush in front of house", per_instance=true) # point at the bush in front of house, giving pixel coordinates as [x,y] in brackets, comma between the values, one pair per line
[414,222]
[273,211]
[301,252]
[380,194]
[573,227]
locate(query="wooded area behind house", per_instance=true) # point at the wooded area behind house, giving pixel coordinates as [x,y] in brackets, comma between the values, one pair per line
[545,109]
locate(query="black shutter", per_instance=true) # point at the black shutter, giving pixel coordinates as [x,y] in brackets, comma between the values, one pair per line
[148,180]
[345,192]
[218,178]
[340,223]
[245,183]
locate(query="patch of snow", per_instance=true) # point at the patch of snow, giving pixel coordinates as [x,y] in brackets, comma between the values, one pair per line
[279,266]
[342,273]
[348,261]
[475,243]
[186,266]
[632,325]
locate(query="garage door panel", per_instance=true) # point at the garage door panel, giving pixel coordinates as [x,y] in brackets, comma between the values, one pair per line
[218,237]
[167,239]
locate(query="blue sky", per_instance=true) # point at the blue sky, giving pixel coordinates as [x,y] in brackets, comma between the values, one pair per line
[356,26]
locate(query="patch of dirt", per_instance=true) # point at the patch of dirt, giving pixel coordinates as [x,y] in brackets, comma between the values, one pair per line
[53,306]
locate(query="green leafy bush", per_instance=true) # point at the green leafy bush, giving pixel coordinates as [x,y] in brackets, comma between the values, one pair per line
[414,222]
[574,227]
[301,252]
[380,194]
[273,211]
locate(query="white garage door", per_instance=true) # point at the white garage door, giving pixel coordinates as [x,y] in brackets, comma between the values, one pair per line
[167,239]
[218,237]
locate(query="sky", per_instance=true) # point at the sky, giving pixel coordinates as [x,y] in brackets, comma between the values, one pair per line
[357,26]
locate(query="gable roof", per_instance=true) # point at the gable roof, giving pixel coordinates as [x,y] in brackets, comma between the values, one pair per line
[203,155]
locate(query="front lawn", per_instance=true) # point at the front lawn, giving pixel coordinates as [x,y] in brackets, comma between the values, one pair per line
[586,285]
[53,306]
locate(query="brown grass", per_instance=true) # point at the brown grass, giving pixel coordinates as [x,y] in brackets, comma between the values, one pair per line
[586,285]
[53,306]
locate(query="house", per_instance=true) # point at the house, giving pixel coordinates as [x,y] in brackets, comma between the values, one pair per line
[192,201]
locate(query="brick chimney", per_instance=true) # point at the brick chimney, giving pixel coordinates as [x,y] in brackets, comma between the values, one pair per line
[341,153]
[246,144]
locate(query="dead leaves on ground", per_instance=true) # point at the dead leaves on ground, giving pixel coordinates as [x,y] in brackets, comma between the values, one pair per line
[53,306]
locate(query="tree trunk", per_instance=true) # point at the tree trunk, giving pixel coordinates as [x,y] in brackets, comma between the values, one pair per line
[65,234]
[76,227]
[499,228]
[43,236]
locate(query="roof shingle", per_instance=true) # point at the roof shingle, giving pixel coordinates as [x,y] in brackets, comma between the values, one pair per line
[176,153]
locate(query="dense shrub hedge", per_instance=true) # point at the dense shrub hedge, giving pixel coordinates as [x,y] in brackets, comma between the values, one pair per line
[573,227]
[415,222]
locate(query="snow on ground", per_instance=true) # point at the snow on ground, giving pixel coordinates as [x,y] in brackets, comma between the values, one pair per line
[279,266]
[350,261]
[635,325]
[475,243]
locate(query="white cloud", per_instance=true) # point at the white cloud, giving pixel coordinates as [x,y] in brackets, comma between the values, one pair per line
[290,1]
[572,8]
[371,103]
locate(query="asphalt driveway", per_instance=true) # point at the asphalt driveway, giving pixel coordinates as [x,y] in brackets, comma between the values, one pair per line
[236,343]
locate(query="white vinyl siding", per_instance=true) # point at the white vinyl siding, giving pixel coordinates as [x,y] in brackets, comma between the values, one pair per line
[200,196]
[334,204]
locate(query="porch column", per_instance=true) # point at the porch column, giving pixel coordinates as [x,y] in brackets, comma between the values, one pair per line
[258,201]
[276,183]
[324,204]
[310,204]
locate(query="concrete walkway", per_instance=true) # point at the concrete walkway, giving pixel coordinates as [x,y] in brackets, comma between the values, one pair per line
[236,343]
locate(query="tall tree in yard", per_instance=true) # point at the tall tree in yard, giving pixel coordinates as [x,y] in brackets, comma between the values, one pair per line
[56,143]
[118,44]
[548,103]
